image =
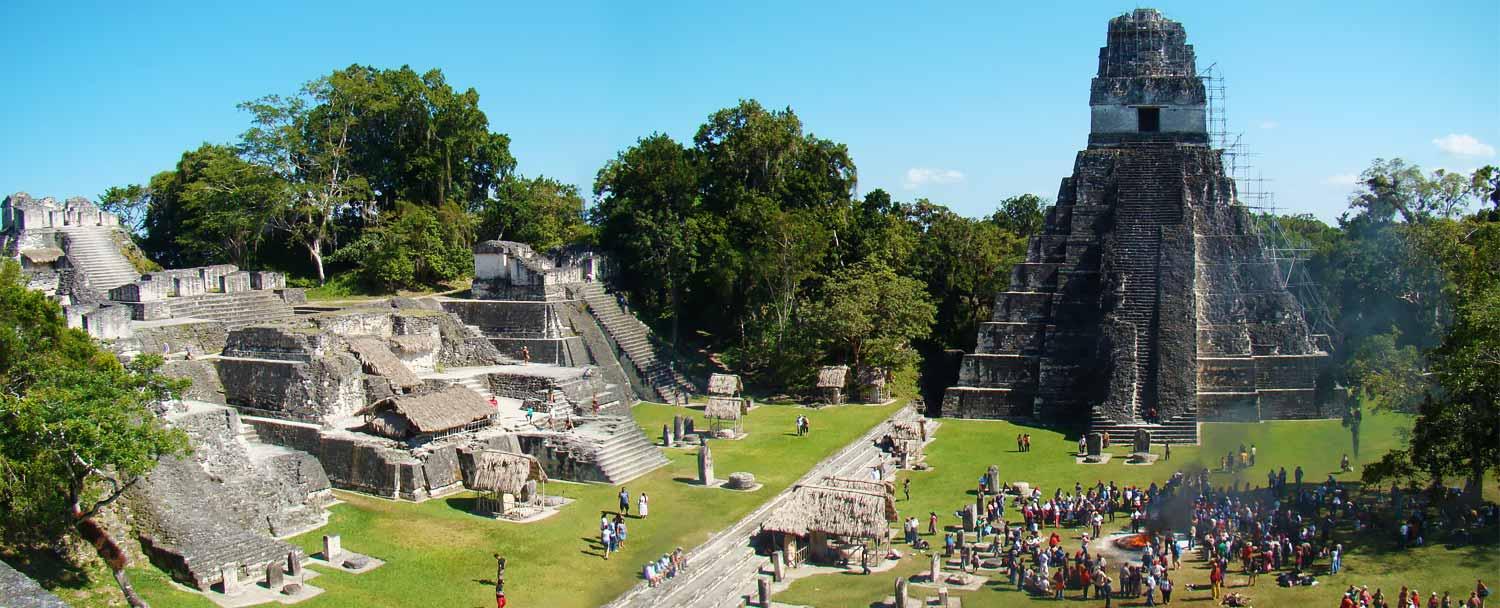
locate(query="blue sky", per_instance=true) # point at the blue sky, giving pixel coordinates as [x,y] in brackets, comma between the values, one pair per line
[962,103]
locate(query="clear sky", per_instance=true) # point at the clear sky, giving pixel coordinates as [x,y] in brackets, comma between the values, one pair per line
[964,103]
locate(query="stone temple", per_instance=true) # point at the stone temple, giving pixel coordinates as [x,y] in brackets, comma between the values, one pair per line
[1147,301]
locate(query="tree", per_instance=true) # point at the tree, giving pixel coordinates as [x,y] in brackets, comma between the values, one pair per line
[869,316]
[1457,430]
[648,218]
[76,428]
[129,203]
[211,209]
[541,212]
[410,251]
[308,146]
[1022,215]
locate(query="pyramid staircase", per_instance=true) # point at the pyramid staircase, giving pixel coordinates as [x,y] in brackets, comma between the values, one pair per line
[93,251]
[234,310]
[627,454]
[635,339]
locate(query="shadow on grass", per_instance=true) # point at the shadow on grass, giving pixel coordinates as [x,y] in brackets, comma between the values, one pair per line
[467,504]
[47,568]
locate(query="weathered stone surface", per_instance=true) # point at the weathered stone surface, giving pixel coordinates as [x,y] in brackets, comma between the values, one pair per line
[1147,300]
[740,481]
[1094,444]
[18,591]
[356,562]
[705,465]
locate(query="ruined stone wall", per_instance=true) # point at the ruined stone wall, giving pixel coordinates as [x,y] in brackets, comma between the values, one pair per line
[326,389]
[509,319]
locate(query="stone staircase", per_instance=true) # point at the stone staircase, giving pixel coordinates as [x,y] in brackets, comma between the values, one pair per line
[1149,199]
[626,453]
[94,252]
[234,310]
[634,338]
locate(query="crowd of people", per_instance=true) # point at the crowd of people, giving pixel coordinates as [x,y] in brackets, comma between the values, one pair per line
[1281,529]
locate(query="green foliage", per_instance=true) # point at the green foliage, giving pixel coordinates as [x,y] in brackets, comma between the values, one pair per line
[1022,215]
[870,316]
[541,212]
[129,204]
[211,209]
[412,251]
[1386,374]
[76,428]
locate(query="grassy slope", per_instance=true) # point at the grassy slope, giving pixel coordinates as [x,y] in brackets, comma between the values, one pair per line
[965,448]
[438,554]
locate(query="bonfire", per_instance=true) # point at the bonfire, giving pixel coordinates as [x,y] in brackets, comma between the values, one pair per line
[1133,542]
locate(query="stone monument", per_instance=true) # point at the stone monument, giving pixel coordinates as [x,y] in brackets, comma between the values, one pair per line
[902,599]
[1147,300]
[332,548]
[1142,441]
[231,575]
[705,465]
[935,568]
[1093,444]
[763,591]
[274,576]
[778,566]
[666,436]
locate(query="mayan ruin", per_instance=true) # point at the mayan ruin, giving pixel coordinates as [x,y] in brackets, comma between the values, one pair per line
[1148,299]
[698,306]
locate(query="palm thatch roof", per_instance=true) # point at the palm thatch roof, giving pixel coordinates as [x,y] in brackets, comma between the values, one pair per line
[724,384]
[873,376]
[505,472]
[832,376]
[906,430]
[848,513]
[377,359]
[723,408]
[444,409]
[862,485]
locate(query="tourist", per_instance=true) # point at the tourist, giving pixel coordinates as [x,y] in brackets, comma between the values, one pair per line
[906,487]
[1481,591]
[1216,579]
[1344,464]
[530,411]
[526,354]
[1058,584]
[624,501]
[1298,475]
[1026,439]
[1020,445]
[1166,589]
[1252,454]
[607,538]
[619,532]
[1337,559]
[643,505]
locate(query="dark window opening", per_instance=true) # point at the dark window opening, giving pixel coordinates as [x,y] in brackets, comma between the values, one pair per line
[1148,119]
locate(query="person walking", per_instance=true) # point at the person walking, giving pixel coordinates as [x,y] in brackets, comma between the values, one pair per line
[906,487]
[1336,559]
[1106,590]
[643,505]
[1166,589]
[499,581]
[624,501]
[607,538]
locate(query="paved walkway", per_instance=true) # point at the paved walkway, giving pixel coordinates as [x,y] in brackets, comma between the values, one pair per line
[721,573]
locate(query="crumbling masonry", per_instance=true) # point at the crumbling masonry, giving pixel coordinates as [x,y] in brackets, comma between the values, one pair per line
[1147,301]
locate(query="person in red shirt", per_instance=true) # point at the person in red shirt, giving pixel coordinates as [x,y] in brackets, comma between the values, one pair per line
[1347,602]
[1216,579]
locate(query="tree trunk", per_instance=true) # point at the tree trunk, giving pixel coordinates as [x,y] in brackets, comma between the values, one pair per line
[314,250]
[112,555]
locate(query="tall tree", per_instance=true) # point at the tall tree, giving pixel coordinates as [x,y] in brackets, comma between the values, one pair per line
[211,209]
[870,316]
[541,212]
[305,140]
[76,427]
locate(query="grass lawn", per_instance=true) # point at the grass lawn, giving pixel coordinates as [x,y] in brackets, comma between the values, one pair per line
[964,449]
[438,554]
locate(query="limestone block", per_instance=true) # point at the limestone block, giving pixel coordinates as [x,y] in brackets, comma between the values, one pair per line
[1094,444]
[740,481]
[235,282]
[332,548]
[274,576]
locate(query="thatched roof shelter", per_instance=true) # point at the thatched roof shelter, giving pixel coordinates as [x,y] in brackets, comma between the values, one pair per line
[445,409]
[505,472]
[723,408]
[847,513]
[832,376]
[728,385]
[873,376]
[376,358]
[863,485]
[906,430]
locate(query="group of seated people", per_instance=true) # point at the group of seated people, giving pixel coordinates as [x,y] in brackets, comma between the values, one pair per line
[665,567]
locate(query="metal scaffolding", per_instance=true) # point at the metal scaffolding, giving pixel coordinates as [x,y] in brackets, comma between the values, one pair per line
[1287,255]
